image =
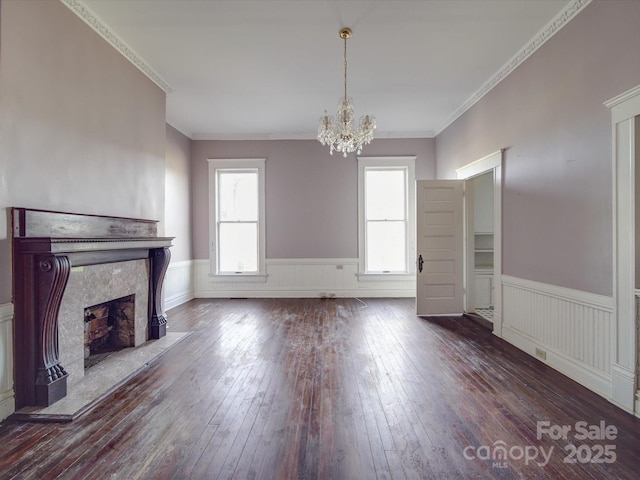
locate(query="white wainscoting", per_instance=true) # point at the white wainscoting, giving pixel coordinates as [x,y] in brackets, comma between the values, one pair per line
[574,329]
[178,284]
[304,278]
[7,399]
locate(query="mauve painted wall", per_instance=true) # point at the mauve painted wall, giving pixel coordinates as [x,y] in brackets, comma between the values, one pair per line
[177,219]
[549,115]
[311,196]
[81,129]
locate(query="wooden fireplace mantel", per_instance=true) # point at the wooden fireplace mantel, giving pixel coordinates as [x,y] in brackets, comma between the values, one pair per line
[46,245]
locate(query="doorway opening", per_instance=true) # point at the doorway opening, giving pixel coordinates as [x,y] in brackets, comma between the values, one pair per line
[483,239]
[481,234]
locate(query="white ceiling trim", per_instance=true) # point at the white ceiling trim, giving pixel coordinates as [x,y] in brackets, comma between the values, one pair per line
[82,11]
[300,136]
[559,21]
[242,136]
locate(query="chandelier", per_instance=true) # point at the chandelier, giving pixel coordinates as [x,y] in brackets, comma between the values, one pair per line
[339,133]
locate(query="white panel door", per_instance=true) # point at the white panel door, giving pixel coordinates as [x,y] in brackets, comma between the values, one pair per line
[440,229]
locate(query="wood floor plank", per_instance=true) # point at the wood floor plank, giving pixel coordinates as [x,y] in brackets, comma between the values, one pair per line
[326,389]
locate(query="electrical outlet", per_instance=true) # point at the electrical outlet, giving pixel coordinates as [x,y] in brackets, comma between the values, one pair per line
[541,353]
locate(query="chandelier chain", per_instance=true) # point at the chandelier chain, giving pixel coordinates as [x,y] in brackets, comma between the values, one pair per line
[345,66]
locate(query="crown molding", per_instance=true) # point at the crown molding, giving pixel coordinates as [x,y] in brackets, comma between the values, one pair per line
[623,97]
[301,136]
[251,136]
[81,10]
[406,134]
[560,20]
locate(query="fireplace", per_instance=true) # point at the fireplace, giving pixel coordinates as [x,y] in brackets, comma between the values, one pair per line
[108,327]
[64,263]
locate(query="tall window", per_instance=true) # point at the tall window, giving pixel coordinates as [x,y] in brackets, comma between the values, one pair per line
[386,196]
[237,219]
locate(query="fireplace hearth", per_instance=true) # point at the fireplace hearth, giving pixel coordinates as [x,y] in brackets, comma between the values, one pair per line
[49,249]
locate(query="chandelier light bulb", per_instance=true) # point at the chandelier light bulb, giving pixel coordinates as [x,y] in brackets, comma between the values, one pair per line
[339,132]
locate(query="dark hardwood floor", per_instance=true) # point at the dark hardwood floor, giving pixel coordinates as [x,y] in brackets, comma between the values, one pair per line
[331,389]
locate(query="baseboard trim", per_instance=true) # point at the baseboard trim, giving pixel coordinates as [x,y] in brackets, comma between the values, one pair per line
[623,388]
[7,405]
[292,293]
[597,382]
[178,300]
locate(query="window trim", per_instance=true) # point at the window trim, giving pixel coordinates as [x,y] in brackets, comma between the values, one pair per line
[216,164]
[391,162]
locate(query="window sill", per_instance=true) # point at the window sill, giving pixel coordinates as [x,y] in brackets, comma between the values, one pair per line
[386,277]
[238,278]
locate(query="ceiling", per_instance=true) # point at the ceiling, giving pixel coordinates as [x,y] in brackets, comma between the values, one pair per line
[269,69]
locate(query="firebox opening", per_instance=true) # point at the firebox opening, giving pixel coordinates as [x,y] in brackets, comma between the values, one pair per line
[108,327]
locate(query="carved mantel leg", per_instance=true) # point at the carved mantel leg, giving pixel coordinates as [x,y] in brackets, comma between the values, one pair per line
[159,258]
[51,276]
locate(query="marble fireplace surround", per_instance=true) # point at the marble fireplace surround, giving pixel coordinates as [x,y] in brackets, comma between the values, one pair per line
[55,256]
[92,285]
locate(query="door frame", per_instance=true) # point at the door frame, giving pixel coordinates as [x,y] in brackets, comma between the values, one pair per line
[625,118]
[490,163]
